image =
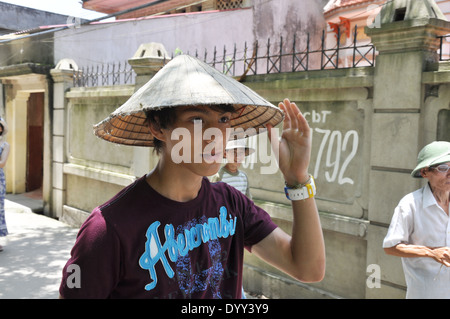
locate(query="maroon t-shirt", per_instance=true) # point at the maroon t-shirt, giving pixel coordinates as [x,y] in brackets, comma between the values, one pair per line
[143,245]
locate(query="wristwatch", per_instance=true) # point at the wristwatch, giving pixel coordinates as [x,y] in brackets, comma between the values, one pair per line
[301,191]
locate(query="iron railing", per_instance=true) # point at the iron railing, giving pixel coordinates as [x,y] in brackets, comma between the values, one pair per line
[265,58]
[104,75]
[278,58]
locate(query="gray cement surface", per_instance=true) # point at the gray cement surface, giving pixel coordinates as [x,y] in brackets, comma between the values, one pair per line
[34,252]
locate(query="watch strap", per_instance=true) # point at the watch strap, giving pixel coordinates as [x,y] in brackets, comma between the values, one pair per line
[305,192]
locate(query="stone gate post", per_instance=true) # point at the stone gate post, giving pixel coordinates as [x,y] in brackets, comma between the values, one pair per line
[62,76]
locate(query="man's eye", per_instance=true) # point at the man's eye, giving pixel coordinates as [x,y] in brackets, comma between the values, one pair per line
[224,119]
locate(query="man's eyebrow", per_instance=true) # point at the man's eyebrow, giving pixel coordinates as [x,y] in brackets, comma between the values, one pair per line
[194,109]
[203,110]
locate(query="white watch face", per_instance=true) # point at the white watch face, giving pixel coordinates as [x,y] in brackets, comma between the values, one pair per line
[297,194]
[305,192]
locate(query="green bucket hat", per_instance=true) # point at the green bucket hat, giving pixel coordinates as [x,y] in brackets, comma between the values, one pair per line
[433,154]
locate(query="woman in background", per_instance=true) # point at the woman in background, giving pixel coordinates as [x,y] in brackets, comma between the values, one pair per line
[4,152]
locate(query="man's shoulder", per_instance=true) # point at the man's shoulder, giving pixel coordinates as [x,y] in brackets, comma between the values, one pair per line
[410,202]
[242,173]
[413,197]
[124,197]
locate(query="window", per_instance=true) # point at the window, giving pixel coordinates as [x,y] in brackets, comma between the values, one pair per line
[443,129]
[400,14]
[229,4]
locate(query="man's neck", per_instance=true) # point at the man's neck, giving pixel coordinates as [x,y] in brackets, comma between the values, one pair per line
[174,182]
[442,198]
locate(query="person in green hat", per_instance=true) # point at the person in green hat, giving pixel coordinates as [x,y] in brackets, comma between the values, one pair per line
[419,232]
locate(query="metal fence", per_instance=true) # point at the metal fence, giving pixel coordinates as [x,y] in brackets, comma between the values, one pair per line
[259,58]
[282,57]
[103,75]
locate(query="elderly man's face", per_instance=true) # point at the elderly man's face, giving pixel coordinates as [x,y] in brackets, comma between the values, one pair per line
[438,176]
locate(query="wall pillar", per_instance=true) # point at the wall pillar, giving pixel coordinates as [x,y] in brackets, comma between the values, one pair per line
[16,110]
[147,61]
[63,80]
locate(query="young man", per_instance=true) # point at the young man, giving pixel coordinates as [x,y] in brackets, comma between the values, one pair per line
[173,234]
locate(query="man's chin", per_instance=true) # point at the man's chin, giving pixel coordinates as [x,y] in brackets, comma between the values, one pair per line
[211,169]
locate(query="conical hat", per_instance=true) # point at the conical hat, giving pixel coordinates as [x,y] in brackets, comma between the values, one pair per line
[186,80]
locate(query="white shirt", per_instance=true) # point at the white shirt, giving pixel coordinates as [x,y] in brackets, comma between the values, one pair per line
[238,180]
[419,220]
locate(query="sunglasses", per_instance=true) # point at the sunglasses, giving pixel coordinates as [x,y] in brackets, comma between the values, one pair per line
[443,168]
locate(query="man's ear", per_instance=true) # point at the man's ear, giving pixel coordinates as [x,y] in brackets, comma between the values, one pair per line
[156,130]
[423,172]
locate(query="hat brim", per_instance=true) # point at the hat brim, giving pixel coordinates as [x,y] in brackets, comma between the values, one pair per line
[427,163]
[186,81]
[132,129]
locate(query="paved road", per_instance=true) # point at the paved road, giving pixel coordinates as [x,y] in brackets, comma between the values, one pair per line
[35,251]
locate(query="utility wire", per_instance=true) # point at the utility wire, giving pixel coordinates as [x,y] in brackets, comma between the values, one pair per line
[87,22]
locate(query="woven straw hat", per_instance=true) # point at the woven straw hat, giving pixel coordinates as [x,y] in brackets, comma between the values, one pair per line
[186,80]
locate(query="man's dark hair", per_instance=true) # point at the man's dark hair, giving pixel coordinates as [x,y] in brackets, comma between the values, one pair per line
[165,117]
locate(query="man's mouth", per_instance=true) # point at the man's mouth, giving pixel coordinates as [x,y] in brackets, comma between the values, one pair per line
[212,157]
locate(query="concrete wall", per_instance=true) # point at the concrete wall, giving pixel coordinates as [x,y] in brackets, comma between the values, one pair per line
[118,41]
[38,49]
[17,18]
[337,104]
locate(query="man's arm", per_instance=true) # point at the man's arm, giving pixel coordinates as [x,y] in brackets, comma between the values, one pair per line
[439,254]
[301,255]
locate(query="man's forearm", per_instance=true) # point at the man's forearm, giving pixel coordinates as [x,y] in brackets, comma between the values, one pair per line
[307,244]
[410,251]
[439,254]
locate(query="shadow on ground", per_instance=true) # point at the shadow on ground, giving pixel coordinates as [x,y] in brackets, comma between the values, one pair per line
[35,251]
